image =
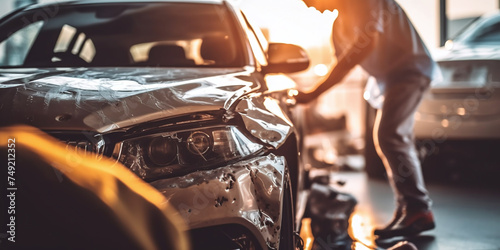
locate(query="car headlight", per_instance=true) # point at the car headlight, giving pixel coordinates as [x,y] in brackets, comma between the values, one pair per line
[172,153]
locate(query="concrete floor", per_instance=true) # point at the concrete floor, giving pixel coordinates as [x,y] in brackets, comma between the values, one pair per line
[467,216]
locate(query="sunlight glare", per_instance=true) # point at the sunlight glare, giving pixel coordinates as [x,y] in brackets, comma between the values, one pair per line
[321,69]
[360,228]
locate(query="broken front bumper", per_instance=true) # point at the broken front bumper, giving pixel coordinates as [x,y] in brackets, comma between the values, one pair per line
[248,195]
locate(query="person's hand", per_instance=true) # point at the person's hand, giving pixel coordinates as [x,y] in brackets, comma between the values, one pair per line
[304,98]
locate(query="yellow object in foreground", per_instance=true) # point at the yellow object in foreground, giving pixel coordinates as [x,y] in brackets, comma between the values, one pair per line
[68,192]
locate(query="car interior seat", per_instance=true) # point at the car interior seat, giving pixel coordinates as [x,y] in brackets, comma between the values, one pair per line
[217,50]
[169,56]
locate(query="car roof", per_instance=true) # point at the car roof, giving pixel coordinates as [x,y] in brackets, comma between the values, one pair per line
[85,2]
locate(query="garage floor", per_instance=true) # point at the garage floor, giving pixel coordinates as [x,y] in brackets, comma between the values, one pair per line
[467,215]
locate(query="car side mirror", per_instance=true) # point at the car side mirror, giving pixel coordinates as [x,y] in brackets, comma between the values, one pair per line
[286,58]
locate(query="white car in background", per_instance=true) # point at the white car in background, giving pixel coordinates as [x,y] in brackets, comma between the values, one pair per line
[459,117]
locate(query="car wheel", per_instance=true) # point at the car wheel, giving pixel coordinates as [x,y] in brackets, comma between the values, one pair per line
[287,239]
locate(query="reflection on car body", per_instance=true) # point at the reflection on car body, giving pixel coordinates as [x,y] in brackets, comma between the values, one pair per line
[176,91]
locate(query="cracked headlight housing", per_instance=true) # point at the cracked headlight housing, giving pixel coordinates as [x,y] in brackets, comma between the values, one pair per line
[174,153]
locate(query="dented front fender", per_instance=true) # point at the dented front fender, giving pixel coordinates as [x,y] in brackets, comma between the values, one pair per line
[264,118]
[249,193]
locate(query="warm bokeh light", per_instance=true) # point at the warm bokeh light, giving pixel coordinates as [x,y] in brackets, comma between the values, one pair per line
[296,24]
[360,230]
[321,69]
[445,123]
[277,82]
[306,233]
[291,21]
[327,153]
[366,95]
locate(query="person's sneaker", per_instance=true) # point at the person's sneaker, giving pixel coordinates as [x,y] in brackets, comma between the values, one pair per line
[408,223]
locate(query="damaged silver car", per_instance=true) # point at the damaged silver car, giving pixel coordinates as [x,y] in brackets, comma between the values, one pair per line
[174,90]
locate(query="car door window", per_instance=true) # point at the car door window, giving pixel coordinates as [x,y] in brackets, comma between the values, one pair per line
[18,45]
[156,34]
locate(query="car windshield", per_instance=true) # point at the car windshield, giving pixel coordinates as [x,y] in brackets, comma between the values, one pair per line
[121,35]
[482,31]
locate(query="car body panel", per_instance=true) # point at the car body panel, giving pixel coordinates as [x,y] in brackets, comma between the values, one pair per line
[459,114]
[473,52]
[226,195]
[265,120]
[101,108]
[106,99]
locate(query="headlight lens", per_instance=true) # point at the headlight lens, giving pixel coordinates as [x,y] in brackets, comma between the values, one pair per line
[163,154]
[162,151]
[198,143]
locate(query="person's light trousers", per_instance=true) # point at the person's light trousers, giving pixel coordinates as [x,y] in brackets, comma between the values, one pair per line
[393,138]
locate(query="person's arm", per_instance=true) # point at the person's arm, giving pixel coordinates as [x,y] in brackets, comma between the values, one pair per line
[353,56]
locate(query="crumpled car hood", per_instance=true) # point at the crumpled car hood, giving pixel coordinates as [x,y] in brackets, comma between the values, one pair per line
[103,99]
